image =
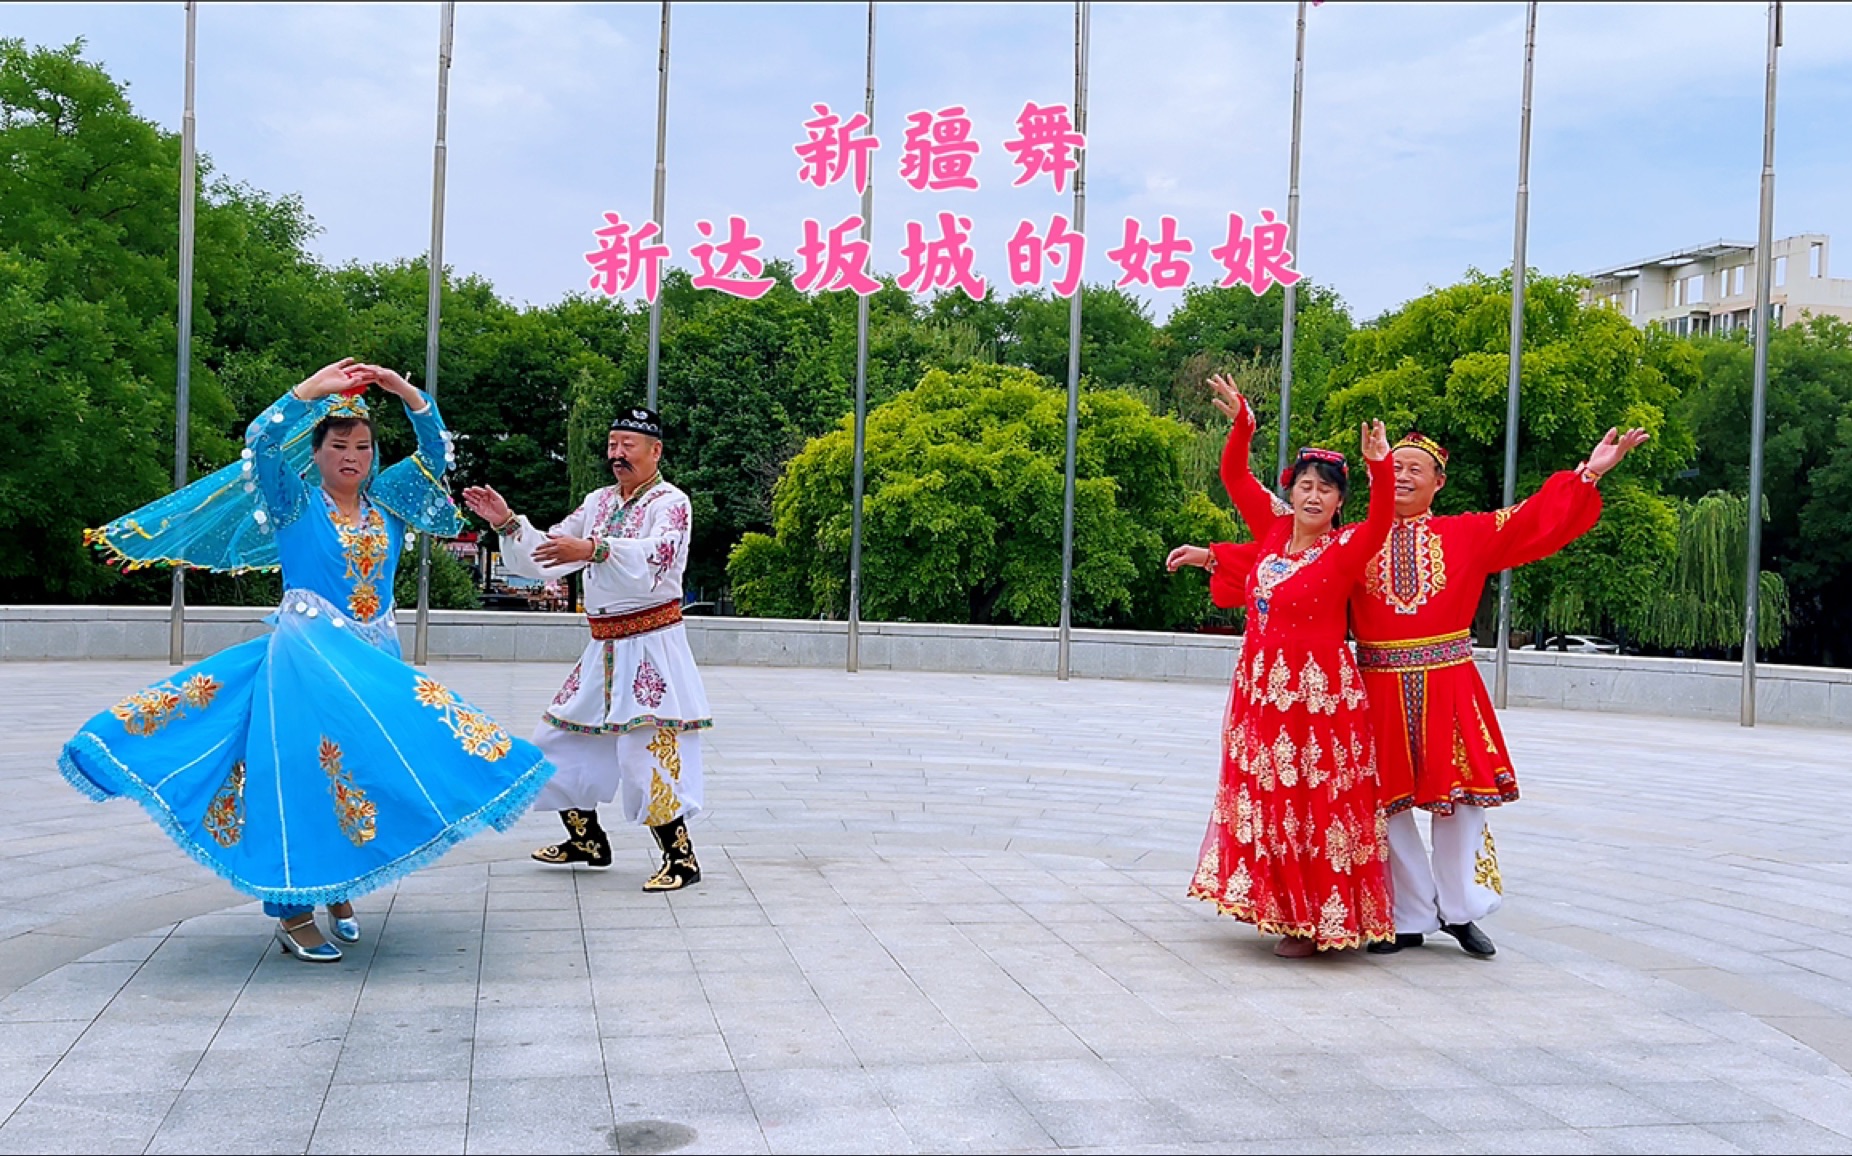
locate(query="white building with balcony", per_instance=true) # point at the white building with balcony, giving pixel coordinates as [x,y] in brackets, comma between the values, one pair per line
[1711,288]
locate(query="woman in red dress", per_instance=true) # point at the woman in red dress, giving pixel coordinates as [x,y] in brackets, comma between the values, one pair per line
[1296,844]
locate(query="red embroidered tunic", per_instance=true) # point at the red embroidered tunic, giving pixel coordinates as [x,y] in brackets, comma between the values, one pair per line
[1437,739]
[1297,843]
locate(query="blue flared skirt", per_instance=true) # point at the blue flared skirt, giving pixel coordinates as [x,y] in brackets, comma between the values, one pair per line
[308,766]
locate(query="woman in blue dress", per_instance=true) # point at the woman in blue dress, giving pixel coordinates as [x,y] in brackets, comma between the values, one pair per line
[311,765]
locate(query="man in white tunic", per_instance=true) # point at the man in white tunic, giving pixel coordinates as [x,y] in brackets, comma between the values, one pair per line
[626,724]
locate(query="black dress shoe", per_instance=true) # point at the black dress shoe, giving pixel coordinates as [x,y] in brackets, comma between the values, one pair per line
[1402,939]
[1472,940]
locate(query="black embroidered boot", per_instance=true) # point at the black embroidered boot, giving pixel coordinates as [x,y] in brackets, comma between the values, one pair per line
[679,868]
[585,842]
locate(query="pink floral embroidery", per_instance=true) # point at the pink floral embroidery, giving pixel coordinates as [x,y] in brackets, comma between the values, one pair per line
[569,688]
[601,513]
[660,559]
[677,518]
[648,687]
[627,522]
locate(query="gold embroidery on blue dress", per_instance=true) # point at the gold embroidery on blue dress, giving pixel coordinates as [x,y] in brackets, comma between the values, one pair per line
[364,544]
[225,814]
[147,711]
[352,809]
[476,731]
[1485,865]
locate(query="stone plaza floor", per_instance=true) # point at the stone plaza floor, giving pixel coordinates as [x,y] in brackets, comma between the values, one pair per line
[945,913]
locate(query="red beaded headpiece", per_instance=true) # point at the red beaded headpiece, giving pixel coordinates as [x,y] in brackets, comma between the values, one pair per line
[1314,454]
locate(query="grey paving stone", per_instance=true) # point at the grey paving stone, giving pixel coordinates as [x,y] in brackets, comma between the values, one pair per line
[55,1120]
[75,991]
[419,1045]
[383,1138]
[1793,1136]
[306,1065]
[932,920]
[1593,1105]
[666,1055]
[1532,1141]
[1709,1102]
[823,1109]
[223,1119]
[1657,1139]
[557,1114]
[1110,1123]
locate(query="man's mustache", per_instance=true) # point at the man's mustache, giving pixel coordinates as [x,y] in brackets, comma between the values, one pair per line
[620,462]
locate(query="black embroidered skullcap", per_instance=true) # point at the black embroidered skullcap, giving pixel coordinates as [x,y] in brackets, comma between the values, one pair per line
[643,421]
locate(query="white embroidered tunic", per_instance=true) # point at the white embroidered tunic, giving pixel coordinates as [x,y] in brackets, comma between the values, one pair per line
[643,680]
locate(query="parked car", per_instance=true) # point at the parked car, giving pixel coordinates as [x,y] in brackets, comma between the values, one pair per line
[1582,644]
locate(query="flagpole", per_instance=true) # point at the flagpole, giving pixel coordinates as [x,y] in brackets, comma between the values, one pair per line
[1765,264]
[434,297]
[189,167]
[1083,19]
[1290,323]
[662,141]
[861,384]
[1502,662]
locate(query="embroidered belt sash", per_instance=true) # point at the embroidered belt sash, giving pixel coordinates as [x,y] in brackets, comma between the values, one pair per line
[1421,654]
[608,626]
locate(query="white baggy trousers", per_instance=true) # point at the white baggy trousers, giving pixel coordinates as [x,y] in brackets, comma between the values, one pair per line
[1458,883]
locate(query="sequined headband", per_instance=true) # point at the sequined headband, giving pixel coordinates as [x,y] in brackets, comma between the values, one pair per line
[348,404]
[1415,440]
[1314,454]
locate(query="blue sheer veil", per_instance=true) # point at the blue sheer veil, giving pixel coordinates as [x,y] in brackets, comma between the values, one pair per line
[209,524]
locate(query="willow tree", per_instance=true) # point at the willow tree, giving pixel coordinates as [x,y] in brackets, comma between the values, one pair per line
[1701,603]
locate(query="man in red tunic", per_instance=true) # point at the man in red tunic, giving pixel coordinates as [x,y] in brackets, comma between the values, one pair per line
[1438,746]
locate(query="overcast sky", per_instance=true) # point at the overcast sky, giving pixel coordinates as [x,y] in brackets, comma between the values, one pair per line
[1647,124]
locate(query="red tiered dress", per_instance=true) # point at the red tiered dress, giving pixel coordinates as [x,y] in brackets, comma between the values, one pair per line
[1439,740]
[1296,843]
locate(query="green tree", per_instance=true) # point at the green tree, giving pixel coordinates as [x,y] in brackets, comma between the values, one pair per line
[963,514]
[1806,465]
[1118,339]
[1217,330]
[1612,575]
[451,585]
[88,254]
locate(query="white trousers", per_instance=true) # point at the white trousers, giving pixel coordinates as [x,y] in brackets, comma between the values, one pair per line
[1459,883]
[653,773]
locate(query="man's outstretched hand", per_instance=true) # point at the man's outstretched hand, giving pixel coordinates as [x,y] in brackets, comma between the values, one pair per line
[1609,451]
[488,505]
